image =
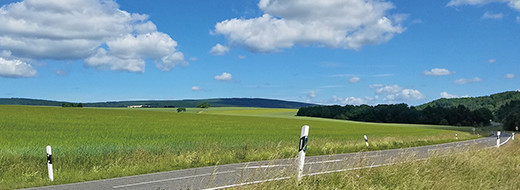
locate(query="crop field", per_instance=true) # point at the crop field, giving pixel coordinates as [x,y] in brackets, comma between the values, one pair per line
[93,143]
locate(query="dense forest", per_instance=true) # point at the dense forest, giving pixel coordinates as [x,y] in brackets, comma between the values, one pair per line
[472,111]
[509,115]
[402,113]
[492,102]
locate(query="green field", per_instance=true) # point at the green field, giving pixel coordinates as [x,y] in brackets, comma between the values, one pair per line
[493,168]
[93,143]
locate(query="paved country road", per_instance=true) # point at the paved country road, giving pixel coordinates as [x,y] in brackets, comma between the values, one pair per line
[231,175]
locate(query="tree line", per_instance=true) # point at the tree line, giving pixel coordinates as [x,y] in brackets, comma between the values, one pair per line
[509,115]
[74,105]
[402,113]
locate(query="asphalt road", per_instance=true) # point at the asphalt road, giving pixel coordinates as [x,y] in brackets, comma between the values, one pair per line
[231,175]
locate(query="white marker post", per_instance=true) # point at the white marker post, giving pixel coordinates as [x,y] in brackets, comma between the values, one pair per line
[301,150]
[498,138]
[456,136]
[513,137]
[516,128]
[474,129]
[366,141]
[49,163]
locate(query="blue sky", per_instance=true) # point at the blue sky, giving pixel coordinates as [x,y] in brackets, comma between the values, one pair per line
[328,52]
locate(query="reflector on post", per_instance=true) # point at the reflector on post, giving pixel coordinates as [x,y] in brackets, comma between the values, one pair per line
[304,137]
[49,163]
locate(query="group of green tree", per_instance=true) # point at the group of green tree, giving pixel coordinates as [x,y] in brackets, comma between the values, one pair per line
[69,105]
[402,113]
[509,115]
[492,102]
[204,105]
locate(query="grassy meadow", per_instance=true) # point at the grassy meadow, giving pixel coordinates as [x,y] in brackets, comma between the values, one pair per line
[94,143]
[493,168]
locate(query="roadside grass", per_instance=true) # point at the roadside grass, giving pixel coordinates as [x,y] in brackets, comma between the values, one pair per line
[93,143]
[492,168]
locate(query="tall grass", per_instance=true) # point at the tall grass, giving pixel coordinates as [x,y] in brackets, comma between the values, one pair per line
[91,144]
[493,168]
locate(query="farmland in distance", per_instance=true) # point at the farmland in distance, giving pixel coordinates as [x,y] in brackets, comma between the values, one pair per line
[94,143]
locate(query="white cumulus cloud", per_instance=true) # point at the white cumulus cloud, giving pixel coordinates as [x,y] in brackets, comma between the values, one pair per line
[389,89]
[396,93]
[515,4]
[509,76]
[348,24]
[447,95]
[492,61]
[96,31]
[438,72]
[354,80]
[489,15]
[224,77]
[467,80]
[15,69]
[219,49]
[351,100]
[195,88]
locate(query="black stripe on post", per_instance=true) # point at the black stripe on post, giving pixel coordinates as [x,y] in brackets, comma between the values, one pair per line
[49,159]
[303,144]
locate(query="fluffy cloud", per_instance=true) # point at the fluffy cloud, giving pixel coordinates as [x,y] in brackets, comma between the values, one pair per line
[224,77]
[396,93]
[96,30]
[466,81]
[492,61]
[438,72]
[219,50]
[15,68]
[128,53]
[354,80]
[447,96]
[195,88]
[488,15]
[512,3]
[351,100]
[348,24]
[509,76]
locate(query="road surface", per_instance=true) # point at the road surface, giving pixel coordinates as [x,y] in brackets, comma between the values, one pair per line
[231,175]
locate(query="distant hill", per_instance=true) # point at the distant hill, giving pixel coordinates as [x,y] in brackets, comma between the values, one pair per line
[29,102]
[492,102]
[219,102]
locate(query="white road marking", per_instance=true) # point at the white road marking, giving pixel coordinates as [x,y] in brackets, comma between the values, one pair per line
[171,179]
[326,161]
[505,141]
[311,174]
[265,166]
[349,169]
[247,183]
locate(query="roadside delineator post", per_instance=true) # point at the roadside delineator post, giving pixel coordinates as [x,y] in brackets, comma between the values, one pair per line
[498,138]
[516,128]
[366,140]
[456,136]
[49,163]
[304,137]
